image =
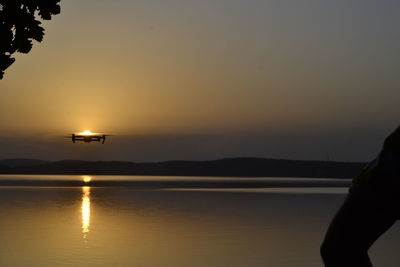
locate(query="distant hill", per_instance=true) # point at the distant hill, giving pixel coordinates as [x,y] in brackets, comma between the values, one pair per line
[230,167]
[21,162]
[5,169]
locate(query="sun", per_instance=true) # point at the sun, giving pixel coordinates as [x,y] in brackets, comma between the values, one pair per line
[86,132]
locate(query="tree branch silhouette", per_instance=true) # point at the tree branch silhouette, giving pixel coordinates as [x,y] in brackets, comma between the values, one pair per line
[20,22]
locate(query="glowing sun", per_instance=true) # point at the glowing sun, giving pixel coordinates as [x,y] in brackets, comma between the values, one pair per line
[87,132]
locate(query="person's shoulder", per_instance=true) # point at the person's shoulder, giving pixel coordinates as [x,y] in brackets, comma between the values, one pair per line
[393,140]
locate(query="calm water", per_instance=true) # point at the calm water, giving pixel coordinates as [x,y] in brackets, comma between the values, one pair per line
[126,226]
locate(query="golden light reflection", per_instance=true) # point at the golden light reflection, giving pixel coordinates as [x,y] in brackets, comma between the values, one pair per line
[86,178]
[85,210]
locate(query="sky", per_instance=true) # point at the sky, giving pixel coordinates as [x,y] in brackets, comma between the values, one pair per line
[196,80]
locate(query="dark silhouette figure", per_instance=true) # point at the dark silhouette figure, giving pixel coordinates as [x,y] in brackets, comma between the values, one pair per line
[20,24]
[89,138]
[370,209]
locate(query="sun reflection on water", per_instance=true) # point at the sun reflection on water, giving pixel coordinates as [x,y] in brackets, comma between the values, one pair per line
[85,210]
[86,178]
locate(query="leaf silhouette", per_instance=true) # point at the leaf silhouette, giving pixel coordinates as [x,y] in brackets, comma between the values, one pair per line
[20,25]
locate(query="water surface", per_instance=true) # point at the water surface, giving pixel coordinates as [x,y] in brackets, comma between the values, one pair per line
[127,226]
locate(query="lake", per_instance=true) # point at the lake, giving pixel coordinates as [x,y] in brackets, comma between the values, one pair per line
[158,221]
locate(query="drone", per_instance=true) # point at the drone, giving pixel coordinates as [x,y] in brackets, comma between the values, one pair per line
[88,136]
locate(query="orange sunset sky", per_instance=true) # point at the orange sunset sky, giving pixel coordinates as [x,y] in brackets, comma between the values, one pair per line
[207,79]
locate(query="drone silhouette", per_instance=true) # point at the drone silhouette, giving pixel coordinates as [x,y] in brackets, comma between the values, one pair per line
[88,137]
